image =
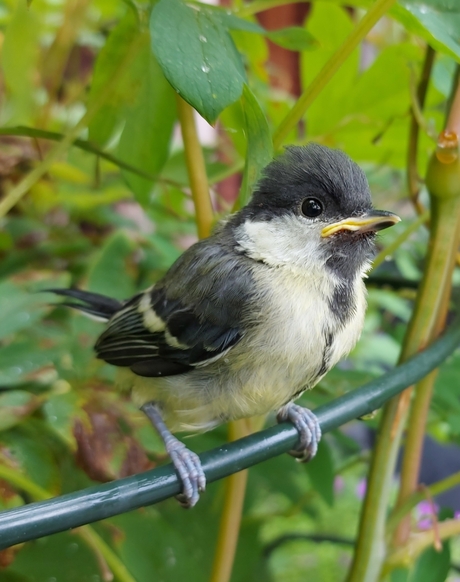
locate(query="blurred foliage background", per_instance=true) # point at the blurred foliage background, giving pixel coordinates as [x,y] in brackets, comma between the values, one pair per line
[111,211]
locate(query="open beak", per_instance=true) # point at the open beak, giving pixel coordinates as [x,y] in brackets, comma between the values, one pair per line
[372,221]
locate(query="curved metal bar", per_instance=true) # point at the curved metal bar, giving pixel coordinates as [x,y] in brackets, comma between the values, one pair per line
[101,501]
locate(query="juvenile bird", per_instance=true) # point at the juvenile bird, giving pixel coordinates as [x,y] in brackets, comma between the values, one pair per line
[248,319]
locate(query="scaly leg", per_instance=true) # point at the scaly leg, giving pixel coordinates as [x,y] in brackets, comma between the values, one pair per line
[186,463]
[307,426]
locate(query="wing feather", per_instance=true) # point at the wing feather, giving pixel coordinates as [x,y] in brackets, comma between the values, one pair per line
[189,319]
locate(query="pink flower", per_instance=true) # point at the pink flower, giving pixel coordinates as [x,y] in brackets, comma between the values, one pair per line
[361,489]
[339,484]
[426,512]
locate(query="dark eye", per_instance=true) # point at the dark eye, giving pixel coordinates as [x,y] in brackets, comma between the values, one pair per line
[312,207]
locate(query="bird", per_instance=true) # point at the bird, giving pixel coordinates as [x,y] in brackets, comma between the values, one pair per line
[249,318]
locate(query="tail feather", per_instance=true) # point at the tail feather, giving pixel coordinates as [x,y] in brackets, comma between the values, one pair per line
[93,304]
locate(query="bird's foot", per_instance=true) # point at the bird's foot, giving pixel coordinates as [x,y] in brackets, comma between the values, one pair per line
[308,428]
[189,469]
[186,463]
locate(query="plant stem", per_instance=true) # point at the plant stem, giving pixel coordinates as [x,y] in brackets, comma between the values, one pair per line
[236,484]
[86,532]
[23,483]
[230,520]
[87,146]
[107,556]
[418,543]
[434,489]
[377,10]
[196,168]
[18,191]
[412,173]
[426,323]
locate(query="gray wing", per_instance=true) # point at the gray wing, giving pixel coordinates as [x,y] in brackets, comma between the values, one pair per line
[190,318]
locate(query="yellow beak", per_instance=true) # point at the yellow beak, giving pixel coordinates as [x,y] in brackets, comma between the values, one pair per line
[372,221]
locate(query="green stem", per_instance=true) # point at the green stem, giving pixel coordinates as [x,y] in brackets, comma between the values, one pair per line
[21,482]
[426,323]
[18,191]
[230,520]
[378,9]
[406,555]
[82,144]
[432,306]
[87,533]
[370,546]
[196,168]
[98,545]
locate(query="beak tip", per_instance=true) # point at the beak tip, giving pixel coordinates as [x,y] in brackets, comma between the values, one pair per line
[373,221]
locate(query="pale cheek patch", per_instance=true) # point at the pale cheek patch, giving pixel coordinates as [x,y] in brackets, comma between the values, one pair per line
[284,241]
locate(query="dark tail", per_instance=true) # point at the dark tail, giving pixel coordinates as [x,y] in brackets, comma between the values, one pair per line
[93,304]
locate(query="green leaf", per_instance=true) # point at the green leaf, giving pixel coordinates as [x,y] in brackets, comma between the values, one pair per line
[60,412]
[16,405]
[18,309]
[20,53]
[28,447]
[62,557]
[108,273]
[150,119]
[19,360]
[437,21]
[105,122]
[294,38]
[322,474]
[433,566]
[197,55]
[259,150]
[400,575]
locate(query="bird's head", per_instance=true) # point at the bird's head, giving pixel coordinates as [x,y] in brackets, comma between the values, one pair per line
[312,209]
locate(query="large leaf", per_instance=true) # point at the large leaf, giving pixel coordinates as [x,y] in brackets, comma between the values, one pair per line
[29,449]
[108,273]
[104,123]
[21,359]
[18,309]
[14,406]
[437,21]
[432,566]
[144,142]
[62,557]
[322,474]
[197,56]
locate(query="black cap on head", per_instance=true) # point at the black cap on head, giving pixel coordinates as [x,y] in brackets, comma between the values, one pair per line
[313,170]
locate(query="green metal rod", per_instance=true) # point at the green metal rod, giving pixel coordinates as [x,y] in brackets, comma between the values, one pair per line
[99,502]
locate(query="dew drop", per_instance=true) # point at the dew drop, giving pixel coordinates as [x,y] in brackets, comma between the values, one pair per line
[205,68]
[203,38]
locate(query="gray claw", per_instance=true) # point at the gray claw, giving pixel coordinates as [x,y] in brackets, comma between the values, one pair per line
[190,471]
[307,426]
